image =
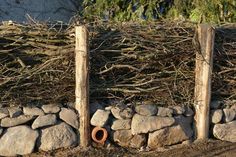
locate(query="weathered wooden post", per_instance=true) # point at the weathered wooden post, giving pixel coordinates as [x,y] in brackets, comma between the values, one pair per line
[82,83]
[203,71]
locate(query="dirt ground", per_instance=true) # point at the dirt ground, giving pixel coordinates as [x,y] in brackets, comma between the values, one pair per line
[209,148]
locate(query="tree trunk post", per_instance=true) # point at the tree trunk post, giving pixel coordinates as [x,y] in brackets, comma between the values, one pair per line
[203,71]
[82,83]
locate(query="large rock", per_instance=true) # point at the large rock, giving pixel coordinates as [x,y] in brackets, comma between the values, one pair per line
[33,111]
[19,140]
[3,113]
[167,136]
[121,124]
[225,132]
[164,112]
[9,122]
[216,116]
[51,108]
[57,136]
[116,112]
[45,120]
[123,137]
[145,124]
[14,111]
[186,124]
[188,112]
[178,109]
[138,141]
[229,115]
[146,110]
[127,113]
[70,117]
[121,112]
[100,118]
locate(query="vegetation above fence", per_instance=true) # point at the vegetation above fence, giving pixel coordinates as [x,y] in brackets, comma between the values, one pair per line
[214,11]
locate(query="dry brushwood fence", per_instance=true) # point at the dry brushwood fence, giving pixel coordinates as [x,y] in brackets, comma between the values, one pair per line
[129,62]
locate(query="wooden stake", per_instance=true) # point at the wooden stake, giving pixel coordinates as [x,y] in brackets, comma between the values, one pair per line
[82,83]
[203,71]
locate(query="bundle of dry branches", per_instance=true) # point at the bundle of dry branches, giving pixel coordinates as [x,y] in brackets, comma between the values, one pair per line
[36,63]
[152,62]
[130,62]
[224,72]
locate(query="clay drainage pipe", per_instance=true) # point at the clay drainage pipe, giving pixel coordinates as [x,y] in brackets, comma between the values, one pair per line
[99,135]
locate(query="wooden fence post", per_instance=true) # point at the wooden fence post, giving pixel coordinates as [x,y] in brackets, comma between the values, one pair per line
[82,83]
[203,71]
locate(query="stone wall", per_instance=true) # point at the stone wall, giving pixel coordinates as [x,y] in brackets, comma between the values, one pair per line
[24,130]
[146,125]
[27,129]
[150,126]
[223,120]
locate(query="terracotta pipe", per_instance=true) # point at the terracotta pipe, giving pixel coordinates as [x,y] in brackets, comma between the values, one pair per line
[99,135]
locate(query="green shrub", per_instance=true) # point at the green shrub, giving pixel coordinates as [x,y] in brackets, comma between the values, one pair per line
[214,11]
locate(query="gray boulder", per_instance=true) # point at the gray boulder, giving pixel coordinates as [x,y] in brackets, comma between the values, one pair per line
[116,112]
[123,137]
[145,124]
[178,110]
[126,113]
[108,108]
[121,124]
[121,112]
[45,120]
[188,112]
[225,132]
[186,124]
[138,141]
[19,140]
[229,115]
[70,117]
[57,136]
[33,111]
[216,116]
[100,118]
[166,136]
[164,112]
[9,122]
[51,108]
[3,113]
[146,110]
[14,111]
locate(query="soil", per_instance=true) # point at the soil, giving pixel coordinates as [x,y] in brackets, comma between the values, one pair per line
[209,148]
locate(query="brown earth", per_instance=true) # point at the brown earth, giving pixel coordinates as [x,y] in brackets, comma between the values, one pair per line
[209,148]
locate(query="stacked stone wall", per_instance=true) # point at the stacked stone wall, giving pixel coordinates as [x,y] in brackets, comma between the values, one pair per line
[223,120]
[145,126]
[24,130]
